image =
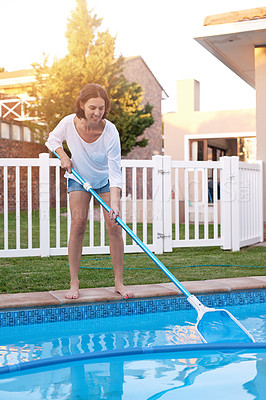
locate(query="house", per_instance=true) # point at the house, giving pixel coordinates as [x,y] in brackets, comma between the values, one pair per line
[190,134]
[15,137]
[135,69]
[15,87]
[238,40]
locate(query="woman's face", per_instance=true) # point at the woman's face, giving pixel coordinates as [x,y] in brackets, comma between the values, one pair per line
[94,109]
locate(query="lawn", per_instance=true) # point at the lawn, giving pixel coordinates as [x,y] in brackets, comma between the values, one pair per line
[63,230]
[28,274]
[33,274]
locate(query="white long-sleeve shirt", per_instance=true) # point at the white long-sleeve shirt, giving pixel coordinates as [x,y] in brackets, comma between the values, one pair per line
[95,162]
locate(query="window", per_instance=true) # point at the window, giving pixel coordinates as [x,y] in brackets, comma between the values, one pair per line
[26,134]
[201,150]
[215,153]
[247,149]
[5,130]
[16,132]
[198,149]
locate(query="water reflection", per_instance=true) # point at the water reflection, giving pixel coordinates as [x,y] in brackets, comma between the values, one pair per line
[96,342]
[150,378]
[257,386]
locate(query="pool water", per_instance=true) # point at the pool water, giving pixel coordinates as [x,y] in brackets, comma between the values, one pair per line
[201,372]
[185,375]
[26,343]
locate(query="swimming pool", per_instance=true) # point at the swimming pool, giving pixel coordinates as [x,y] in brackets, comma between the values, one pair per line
[145,349]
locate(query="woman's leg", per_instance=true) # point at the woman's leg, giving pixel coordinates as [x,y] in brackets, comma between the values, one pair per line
[116,250]
[79,205]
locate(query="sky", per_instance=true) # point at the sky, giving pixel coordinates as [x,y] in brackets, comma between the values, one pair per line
[161,32]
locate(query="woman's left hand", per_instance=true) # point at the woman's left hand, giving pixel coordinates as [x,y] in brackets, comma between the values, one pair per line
[115,204]
[115,212]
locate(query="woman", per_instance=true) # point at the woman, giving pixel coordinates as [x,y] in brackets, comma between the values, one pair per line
[95,154]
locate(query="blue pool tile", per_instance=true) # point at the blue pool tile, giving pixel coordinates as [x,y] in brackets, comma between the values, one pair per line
[131,307]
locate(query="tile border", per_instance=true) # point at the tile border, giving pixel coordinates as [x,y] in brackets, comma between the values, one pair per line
[98,310]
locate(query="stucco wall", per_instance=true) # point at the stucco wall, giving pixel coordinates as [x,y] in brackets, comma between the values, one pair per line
[186,121]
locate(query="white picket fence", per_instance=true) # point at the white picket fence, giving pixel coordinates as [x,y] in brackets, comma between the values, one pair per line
[182,204]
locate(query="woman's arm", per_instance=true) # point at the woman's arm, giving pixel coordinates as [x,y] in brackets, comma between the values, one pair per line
[115,193]
[55,140]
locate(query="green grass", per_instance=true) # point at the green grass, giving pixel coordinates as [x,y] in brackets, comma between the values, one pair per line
[33,274]
[63,230]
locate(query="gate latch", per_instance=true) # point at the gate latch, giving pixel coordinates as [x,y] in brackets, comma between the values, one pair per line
[162,236]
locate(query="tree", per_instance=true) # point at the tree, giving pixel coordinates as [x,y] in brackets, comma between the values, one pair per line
[90,59]
[131,121]
[54,90]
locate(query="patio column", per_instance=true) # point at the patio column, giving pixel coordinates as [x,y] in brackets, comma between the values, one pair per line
[260,84]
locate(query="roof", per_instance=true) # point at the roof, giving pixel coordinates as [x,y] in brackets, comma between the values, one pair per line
[236,16]
[24,76]
[16,74]
[128,59]
[19,78]
[231,37]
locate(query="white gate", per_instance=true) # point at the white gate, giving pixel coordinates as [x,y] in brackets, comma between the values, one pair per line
[215,203]
[166,203]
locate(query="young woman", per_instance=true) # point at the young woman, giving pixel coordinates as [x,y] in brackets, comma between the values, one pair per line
[95,154]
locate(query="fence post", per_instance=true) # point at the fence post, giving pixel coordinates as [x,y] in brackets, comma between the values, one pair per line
[226,216]
[235,196]
[167,204]
[260,196]
[157,190]
[44,185]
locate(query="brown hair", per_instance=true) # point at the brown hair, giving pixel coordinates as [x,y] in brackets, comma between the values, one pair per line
[91,91]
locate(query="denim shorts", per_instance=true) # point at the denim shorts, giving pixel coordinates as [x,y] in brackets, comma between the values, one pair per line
[74,186]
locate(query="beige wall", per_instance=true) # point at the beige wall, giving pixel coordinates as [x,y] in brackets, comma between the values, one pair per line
[260,74]
[188,120]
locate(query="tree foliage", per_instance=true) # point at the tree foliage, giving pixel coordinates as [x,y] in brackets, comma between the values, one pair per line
[90,58]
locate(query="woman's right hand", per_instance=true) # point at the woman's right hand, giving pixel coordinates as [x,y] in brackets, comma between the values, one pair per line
[66,163]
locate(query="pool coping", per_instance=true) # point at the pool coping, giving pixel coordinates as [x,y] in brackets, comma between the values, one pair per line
[106,294]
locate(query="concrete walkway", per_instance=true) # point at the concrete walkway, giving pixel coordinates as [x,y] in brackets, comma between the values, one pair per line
[91,295]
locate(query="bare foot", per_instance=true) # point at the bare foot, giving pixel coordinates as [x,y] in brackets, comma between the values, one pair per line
[124,292]
[73,292]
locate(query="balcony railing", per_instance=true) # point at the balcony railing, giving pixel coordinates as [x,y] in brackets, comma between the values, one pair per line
[15,109]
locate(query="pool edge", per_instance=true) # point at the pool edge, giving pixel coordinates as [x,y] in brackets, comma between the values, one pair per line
[93,295]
